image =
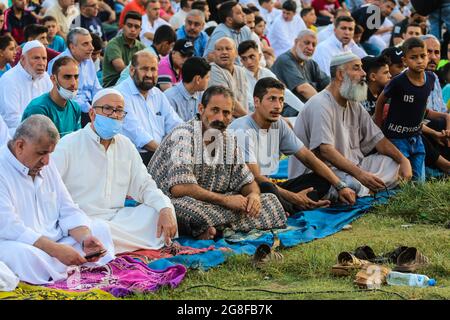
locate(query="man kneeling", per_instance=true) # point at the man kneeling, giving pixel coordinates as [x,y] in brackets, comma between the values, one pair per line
[198,165]
[42,231]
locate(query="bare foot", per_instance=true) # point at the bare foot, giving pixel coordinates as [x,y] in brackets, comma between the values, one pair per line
[209,234]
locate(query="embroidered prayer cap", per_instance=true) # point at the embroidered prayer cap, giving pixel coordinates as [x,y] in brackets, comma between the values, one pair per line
[31,45]
[105,92]
[343,58]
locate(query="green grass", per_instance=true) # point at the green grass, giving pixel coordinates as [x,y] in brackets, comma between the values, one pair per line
[307,267]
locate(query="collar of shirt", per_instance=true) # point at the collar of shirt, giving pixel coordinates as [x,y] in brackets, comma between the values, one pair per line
[134,90]
[22,169]
[93,135]
[125,43]
[337,43]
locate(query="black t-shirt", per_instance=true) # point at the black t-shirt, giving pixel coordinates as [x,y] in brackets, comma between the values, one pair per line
[407,107]
[370,103]
[363,16]
[398,30]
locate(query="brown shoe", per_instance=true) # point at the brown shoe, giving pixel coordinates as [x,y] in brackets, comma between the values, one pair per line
[265,253]
[410,260]
[372,276]
[347,262]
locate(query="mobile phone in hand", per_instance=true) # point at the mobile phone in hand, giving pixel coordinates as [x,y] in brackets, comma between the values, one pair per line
[94,254]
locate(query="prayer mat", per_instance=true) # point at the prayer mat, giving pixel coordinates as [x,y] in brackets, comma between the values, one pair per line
[121,277]
[30,292]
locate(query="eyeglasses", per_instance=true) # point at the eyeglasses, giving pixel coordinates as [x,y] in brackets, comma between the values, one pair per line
[108,111]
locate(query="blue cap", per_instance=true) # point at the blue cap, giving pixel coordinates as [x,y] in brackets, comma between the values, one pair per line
[431,282]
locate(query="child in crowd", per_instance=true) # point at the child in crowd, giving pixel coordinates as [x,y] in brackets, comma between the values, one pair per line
[408,92]
[7,53]
[378,76]
[55,41]
[394,57]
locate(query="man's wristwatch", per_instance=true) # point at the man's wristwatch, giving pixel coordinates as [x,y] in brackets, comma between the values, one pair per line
[340,185]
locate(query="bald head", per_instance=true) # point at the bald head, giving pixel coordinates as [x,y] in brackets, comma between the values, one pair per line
[225,53]
[34,61]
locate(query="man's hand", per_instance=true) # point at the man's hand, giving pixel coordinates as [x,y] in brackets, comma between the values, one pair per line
[371,181]
[442,138]
[347,196]
[68,255]
[405,170]
[302,200]
[167,225]
[91,245]
[235,202]
[253,204]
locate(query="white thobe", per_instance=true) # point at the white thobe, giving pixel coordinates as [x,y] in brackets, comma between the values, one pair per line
[17,89]
[148,27]
[351,131]
[289,97]
[325,33]
[99,181]
[331,47]
[8,280]
[4,132]
[269,17]
[282,33]
[31,209]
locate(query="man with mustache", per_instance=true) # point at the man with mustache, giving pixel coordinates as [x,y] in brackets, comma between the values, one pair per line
[264,136]
[42,230]
[193,31]
[298,71]
[341,41]
[336,127]
[199,167]
[150,116]
[26,81]
[80,48]
[109,168]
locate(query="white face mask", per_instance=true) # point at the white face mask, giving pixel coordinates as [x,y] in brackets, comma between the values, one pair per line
[66,94]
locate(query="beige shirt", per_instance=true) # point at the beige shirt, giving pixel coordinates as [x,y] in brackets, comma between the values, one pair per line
[236,82]
[64,20]
[350,130]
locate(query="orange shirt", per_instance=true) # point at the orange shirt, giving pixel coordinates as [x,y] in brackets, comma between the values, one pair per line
[132,6]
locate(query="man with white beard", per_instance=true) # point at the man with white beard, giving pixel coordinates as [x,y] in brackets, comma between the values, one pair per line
[339,130]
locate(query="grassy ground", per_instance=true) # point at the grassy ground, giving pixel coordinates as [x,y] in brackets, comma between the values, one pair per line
[424,210]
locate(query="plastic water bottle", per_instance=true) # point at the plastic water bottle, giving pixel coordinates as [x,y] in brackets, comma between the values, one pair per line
[409,279]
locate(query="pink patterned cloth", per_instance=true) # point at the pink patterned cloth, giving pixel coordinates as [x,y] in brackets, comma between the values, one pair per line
[121,277]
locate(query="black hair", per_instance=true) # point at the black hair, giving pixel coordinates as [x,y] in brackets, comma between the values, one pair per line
[263,1]
[359,29]
[33,30]
[199,5]
[305,11]
[244,46]
[97,42]
[209,31]
[194,66]
[164,33]
[258,19]
[343,19]
[216,91]
[47,19]
[62,62]
[254,9]
[412,43]
[289,5]
[226,10]
[373,64]
[5,41]
[132,15]
[247,10]
[263,84]
[415,25]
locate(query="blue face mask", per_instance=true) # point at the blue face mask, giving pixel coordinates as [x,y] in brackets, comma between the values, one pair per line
[106,127]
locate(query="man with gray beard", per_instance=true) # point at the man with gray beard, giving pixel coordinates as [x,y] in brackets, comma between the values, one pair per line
[298,71]
[339,130]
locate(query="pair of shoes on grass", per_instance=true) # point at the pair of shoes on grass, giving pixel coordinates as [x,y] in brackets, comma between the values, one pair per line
[371,273]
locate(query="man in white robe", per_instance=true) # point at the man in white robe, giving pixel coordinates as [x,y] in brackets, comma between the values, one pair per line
[340,131]
[101,167]
[42,231]
[26,81]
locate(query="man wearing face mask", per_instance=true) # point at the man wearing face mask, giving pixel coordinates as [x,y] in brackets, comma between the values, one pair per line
[26,81]
[150,116]
[336,127]
[80,48]
[198,165]
[58,104]
[110,168]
